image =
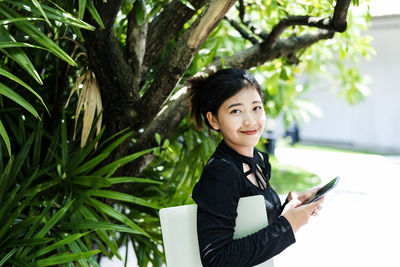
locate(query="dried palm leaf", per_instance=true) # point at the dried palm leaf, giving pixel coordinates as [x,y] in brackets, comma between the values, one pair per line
[89,98]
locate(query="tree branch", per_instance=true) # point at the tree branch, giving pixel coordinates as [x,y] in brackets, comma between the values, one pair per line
[178,61]
[340,14]
[242,31]
[164,124]
[259,54]
[336,24]
[253,28]
[273,37]
[136,47]
[166,26]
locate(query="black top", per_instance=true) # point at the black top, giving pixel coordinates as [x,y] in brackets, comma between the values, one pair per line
[217,193]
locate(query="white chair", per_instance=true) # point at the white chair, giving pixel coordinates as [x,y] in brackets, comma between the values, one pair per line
[179,230]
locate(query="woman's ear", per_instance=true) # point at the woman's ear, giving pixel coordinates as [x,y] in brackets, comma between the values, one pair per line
[212,119]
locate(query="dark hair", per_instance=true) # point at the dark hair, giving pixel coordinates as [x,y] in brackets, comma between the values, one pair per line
[208,93]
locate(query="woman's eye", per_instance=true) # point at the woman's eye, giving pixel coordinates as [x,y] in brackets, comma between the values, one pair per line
[257,108]
[235,111]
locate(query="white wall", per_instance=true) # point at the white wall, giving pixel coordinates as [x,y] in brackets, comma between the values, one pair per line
[373,124]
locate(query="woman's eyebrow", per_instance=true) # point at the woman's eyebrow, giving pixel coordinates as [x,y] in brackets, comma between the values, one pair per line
[240,104]
[234,105]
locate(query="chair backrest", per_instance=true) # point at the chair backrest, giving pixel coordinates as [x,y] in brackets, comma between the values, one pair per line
[179,230]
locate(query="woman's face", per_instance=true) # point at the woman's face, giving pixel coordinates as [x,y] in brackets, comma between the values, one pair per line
[241,120]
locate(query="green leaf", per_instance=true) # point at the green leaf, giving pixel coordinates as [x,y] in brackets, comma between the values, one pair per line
[5,138]
[85,151]
[284,76]
[117,142]
[86,212]
[5,179]
[104,143]
[7,92]
[64,141]
[94,13]
[37,35]
[16,79]
[21,157]
[10,203]
[92,181]
[54,219]
[37,145]
[65,240]
[54,260]
[20,228]
[74,247]
[117,215]
[12,20]
[7,223]
[90,224]
[82,7]
[38,6]
[140,10]
[120,162]
[18,55]
[158,139]
[18,44]
[29,242]
[92,262]
[90,164]
[37,223]
[118,180]
[8,256]
[123,197]
[57,14]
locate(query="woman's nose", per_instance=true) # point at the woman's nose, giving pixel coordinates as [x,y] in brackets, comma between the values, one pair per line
[248,120]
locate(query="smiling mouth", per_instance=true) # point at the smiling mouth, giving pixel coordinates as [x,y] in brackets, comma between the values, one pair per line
[251,132]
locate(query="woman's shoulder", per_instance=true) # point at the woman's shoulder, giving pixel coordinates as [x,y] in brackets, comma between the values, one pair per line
[219,171]
[220,179]
[218,164]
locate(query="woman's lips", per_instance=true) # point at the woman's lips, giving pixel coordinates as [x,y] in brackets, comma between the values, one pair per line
[250,132]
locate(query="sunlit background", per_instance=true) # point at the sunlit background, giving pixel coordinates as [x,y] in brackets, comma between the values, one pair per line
[358,225]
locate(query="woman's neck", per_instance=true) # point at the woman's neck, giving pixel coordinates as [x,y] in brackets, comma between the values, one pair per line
[247,151]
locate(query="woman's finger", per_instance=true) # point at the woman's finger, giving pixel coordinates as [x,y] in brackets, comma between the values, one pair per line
[292,195]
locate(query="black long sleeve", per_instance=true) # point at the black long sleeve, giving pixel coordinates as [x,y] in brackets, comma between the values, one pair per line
[217,194]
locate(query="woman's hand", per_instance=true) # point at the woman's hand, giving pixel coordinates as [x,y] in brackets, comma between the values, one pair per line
[303,195]
[297,214]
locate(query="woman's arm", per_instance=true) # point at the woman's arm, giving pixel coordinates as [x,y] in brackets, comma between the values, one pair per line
[217,195]
[249,250]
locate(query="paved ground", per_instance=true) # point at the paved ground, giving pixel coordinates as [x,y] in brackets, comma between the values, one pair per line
[360,222]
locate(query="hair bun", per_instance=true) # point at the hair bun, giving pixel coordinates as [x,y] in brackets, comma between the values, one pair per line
[196,86]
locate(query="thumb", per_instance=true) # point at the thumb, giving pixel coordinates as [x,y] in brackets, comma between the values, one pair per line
[293,203]
[314,205]
[293,195]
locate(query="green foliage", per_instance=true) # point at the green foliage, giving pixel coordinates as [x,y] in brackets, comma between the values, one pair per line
[18,18]
[57,205]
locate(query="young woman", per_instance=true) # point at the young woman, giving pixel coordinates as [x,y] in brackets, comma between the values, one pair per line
[230,101]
